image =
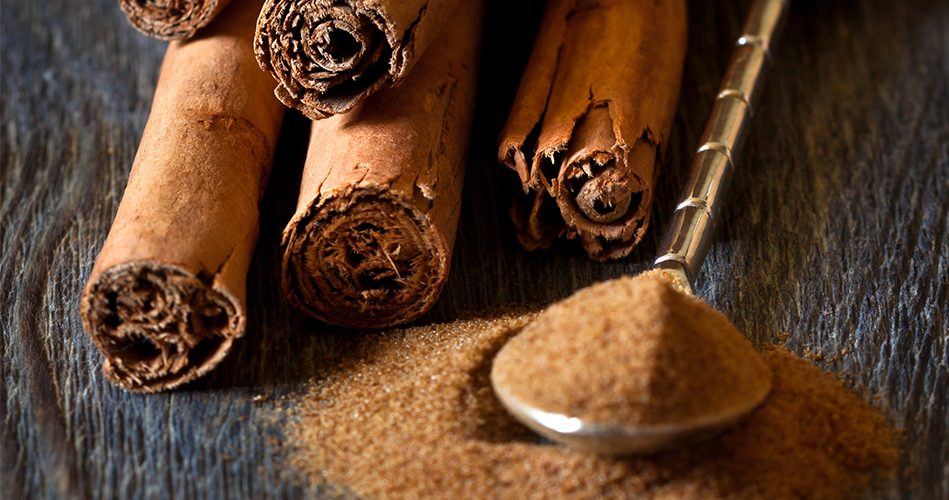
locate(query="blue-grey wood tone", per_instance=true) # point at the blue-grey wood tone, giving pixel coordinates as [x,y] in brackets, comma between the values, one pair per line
[834,232]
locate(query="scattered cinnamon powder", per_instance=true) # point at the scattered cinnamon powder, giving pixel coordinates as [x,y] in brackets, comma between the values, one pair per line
[411,414]
[671,358]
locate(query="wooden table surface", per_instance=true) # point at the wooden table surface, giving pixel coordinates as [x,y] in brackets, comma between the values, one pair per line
[835,233]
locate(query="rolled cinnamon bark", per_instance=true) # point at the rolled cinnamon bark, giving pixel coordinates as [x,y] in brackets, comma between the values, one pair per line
[166,297]
[171,19]
[601,86]
[329,55]
[370,243]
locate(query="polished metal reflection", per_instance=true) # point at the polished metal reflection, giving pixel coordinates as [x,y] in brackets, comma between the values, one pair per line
[709,179]
[765,21]
[745,74]
[688,236]
[612,438]
[689,242]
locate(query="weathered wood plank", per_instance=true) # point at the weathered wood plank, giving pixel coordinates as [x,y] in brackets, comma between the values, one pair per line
[835,232]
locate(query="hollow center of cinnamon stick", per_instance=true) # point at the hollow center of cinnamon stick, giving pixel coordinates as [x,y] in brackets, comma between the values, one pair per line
[373,254]
[339,47]
[601,189]
[338,39]
[596,173]
[373,257]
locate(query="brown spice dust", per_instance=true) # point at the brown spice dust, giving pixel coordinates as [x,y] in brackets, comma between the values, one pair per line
[671,358]
[410,414]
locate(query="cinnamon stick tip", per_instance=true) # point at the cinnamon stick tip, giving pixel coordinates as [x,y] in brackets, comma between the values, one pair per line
[327,57]
[158,325]
[157,20]
[366,259]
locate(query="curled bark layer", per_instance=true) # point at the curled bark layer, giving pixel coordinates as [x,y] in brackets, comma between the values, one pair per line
[329,55]
[601,107]
[166,297]
[370,244]
[171,19]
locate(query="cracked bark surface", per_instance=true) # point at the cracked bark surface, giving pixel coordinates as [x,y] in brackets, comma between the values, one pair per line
[171,19]
[329,55]
[600,109]
[370,243]
[166,298]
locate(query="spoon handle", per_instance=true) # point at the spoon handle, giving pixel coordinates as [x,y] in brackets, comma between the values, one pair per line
[688,236]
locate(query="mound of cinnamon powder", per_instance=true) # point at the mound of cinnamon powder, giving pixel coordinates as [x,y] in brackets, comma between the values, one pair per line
[635,351]
[411,414]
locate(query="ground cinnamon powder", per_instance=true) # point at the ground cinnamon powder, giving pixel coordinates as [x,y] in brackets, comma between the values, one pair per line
[411,414]
[671,358]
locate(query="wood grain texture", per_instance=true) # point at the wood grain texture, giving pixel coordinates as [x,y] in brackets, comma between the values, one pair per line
[835,232]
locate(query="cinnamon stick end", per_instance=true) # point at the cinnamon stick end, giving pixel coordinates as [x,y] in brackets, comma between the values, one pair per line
[156,19]
[326,57]
[364,260]
[159,326]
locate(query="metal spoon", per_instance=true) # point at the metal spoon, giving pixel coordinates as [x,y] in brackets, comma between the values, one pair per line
[683,250]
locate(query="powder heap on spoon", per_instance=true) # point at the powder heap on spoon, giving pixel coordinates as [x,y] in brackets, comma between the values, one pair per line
[663,372]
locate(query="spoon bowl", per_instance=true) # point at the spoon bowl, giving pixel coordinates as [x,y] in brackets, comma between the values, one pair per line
[617,381]
[612,438]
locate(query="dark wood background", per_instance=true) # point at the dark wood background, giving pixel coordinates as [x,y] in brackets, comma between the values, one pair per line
[835,233]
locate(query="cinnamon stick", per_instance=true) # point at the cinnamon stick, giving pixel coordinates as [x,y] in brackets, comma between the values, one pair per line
[171,19]
[329,55]
[166,297]
[370,243]
[600,91]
